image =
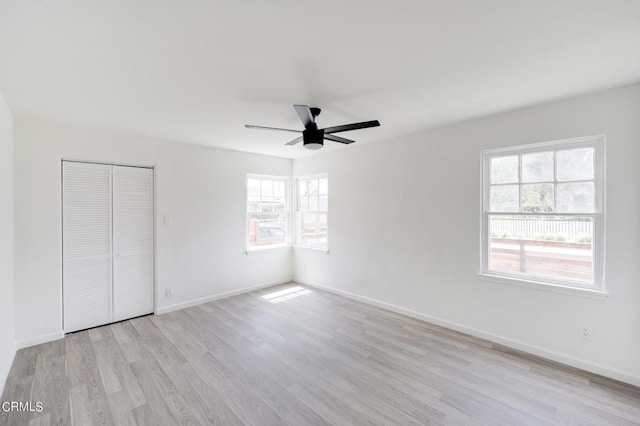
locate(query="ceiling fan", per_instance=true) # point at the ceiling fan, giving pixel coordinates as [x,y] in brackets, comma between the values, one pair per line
[313,137]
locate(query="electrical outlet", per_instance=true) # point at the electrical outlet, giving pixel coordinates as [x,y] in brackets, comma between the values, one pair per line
[169,291]
[586,333]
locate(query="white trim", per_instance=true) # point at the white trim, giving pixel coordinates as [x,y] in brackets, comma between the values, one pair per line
[267,177]
[545,146]
[267,249]
[321,250]
[542,214]
[155,240]
[37,340]
[495,338]
[61,240]
[4,372]
[545,286]
[44,338]
[312,176]
[75,160]
[206,299]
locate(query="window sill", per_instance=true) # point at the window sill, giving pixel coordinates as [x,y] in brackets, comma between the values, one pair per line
[538,285]
[266,249]
[322,250]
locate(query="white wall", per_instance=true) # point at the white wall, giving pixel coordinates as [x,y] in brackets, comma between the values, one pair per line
[404,228]
[404,220]
[7,343]
[201,255]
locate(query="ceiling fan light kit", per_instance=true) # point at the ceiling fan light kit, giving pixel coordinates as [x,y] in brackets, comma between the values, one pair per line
[312,137]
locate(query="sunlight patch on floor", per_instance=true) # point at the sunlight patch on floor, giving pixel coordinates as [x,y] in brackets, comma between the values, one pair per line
[289,293]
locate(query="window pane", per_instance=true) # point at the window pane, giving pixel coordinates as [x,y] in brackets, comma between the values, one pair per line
[324,203]
[324,186]
[303,204]
[555,247]
[537,198]
[253,189]
[576,197]
[313,203]
[504,198]
[276,206]
[266,212]
[267,189]
[279,205]
[504,169]
[253,206]
[313,230]
[537,167]
[311,186]
[278,188]
[266,229]
[574,164]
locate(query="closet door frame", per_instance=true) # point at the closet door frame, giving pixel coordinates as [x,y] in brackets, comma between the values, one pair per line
[154,289]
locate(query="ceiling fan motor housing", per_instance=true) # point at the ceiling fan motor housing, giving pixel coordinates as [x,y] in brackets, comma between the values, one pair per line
[313,138]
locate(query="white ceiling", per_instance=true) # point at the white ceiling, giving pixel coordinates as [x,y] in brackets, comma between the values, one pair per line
[197,70]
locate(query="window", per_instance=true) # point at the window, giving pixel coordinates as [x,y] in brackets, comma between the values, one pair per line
[313,203]
[267,211]
[542,213]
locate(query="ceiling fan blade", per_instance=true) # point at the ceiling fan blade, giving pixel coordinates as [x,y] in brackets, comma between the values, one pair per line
[249,126]
[304,112]
[337,139]
[295,141]
[354,126]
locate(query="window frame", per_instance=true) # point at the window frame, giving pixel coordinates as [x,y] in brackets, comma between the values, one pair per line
[287,212]
[298,214]
[598,143]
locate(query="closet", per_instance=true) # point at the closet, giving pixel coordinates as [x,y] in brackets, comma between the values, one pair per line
[107,243]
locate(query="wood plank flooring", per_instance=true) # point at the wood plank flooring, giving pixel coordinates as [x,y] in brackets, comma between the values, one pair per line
[300,357]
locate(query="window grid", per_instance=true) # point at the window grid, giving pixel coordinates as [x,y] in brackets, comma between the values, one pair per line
[267,212]
[312,212]
[569,277]
[554,185]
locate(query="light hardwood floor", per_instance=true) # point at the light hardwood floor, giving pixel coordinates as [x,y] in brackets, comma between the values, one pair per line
[312,358]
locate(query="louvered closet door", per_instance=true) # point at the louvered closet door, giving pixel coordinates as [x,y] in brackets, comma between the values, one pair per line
[86,249]
[132,242]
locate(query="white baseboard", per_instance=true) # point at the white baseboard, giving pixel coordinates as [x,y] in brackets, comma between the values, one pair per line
[193,302]
[44,338]
[32,341]
[4,371]
[515,344]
